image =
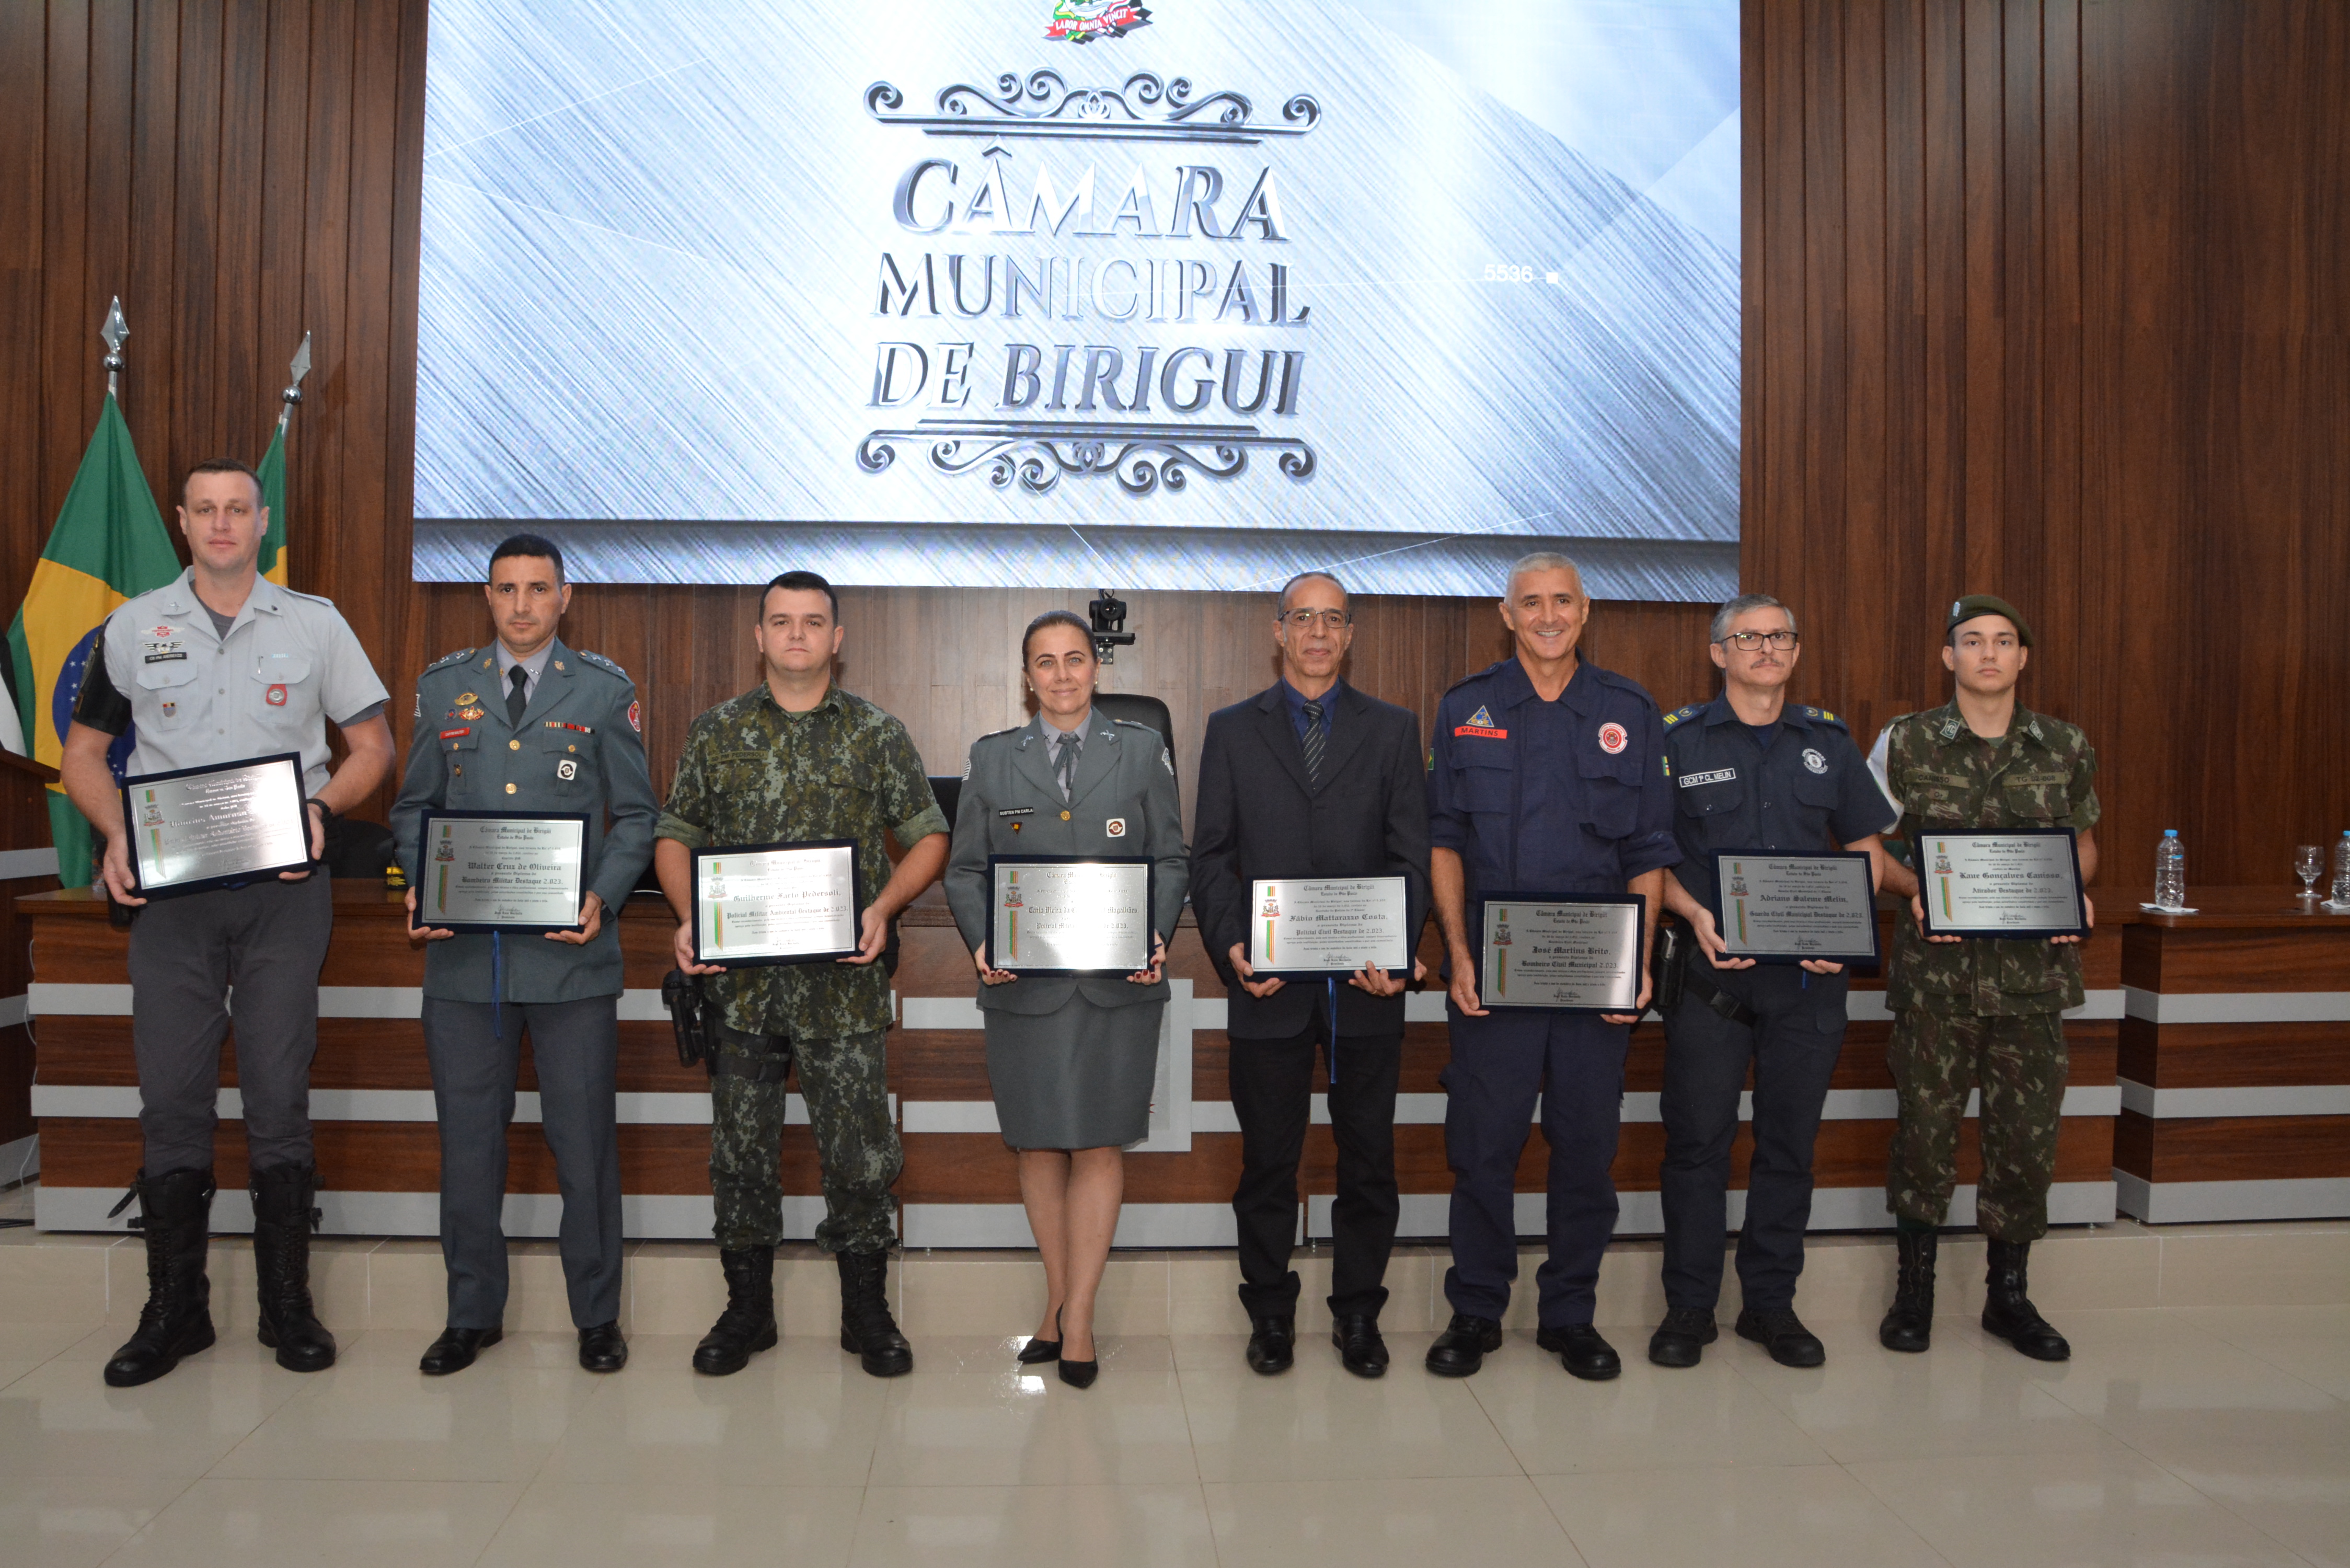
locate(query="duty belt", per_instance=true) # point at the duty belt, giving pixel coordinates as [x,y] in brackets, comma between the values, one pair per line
[1721,1002]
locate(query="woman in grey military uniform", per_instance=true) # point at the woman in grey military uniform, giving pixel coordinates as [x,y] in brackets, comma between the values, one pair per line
[1071,1060]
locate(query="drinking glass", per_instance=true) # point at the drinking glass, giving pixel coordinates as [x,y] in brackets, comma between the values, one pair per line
[2307,862]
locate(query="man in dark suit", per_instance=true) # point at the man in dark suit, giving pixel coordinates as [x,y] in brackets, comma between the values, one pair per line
[1311,778]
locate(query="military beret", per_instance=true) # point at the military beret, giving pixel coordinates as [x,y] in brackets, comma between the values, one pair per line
[1973,604]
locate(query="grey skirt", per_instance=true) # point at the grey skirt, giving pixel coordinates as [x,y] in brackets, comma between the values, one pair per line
[1077,1077]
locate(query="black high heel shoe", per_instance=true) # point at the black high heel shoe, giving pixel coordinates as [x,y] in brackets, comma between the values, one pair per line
[1079,1374]
[1036,1351]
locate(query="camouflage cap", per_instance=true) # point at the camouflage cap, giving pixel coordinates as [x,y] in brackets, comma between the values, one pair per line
[1973,604]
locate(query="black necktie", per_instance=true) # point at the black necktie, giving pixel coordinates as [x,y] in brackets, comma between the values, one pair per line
[1313,742]
[1065,760]
[516,699]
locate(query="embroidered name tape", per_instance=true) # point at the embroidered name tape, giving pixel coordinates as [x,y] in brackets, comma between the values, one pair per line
[1718,775]
[1017,811]
[1481,730]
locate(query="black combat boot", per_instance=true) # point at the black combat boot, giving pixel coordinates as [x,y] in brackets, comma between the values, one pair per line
[866,1326]
[176,1216]
[748,1324]
[282,1219]
[1910,1326]
[2010,1314]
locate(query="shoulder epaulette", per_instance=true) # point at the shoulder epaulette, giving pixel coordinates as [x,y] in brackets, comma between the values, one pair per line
[1680,714]
[1011,730]
[460,657]
[1136,724]
[1479,675]
[1824,717]
[600,661]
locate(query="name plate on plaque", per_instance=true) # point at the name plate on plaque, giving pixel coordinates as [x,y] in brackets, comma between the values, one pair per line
[775,903]
[1784,908]
[1334,925]
[2022,882]
[196,828]
[1065,915]
[502,871]
[1580,951]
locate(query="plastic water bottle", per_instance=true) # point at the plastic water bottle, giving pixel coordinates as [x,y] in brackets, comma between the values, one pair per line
[2342,871]
[2170,871]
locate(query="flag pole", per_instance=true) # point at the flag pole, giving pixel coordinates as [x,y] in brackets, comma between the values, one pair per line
[112,335]
[292,395]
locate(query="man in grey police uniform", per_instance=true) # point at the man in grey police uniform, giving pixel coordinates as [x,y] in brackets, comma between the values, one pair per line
[219,666]
[1750,771]
[527,724]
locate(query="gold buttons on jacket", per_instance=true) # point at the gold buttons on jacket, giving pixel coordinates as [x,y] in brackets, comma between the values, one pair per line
[510,789]
[514,745]
[1065,817]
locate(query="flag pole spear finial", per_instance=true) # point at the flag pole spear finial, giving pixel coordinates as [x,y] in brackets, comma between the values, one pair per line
[112,334]
[292,395]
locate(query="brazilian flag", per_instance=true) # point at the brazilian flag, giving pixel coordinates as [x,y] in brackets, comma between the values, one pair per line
[109,546]
[272,474]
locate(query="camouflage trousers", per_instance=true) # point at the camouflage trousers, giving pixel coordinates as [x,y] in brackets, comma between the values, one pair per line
[855,1142]
[2017,1063]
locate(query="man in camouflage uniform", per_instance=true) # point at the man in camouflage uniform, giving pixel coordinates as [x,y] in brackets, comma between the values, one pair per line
[797,759]
[1981,1013]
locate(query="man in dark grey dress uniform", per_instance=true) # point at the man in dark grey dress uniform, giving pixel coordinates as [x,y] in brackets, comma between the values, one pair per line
[527,724]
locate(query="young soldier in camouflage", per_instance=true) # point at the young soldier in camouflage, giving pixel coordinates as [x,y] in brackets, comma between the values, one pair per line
[1971,1012]
[796,758]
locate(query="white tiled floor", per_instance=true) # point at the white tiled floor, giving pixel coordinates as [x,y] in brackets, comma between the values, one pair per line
[2176,1435]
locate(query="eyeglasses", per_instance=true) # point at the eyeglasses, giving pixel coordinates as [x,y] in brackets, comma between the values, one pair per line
[1747,642]
[1307,620]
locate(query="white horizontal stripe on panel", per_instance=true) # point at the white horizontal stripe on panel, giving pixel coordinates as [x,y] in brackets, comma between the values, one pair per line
[1427,1007]
[56,1000]
[636,1110]
[50,999]
[2286,1100]
[19,863]
[943,1012]
[14,1009]
[1428,1110]
[1006,1225]
[2239,1006]
[648,1217]
[1426,1215]
[2204,1202]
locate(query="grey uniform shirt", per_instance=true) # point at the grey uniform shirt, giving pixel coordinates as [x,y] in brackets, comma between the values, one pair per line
[288,664]
[1124,803]
[578,749]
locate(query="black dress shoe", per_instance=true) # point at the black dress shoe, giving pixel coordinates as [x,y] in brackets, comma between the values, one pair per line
[1680,1340]
[1463,1346]
[1361,1351]
[455,1349]
[1581,1351]
[1273,1345]
[1079,1374]
[601,1348]
[1038,1351]
[1778,1331]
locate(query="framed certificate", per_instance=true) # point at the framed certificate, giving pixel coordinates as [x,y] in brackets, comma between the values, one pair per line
[1784,908]
[776,903]
[1062,914]
[1579,952]
[197,828]
[1310,927]
[2022,882]
[502,871]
